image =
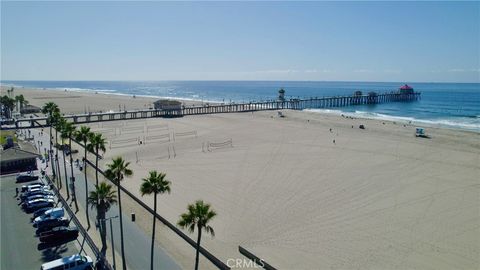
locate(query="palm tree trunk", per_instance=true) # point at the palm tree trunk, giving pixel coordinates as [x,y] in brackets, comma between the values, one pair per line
[50,153]
[56,159]
[103,230]
[153,230]
[198,247]
[73,178]
[124,263]
[58,171]
[66,175]
[86,185]
[96,167]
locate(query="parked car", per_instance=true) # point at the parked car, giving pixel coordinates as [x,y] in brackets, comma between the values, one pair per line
[40,212]
[34,189]
[32,186]
[44,192]
[53,213]
[59,234]
[26,177]
[31,206]
[36,201]
[48,226]
[44,222]
[75,262]
[38,196]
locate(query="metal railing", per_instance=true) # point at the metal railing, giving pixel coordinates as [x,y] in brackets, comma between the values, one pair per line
[214,260]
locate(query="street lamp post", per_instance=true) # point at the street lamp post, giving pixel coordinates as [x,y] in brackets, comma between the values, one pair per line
[111,236]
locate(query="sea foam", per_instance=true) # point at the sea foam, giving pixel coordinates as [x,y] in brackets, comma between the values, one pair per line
[467,123]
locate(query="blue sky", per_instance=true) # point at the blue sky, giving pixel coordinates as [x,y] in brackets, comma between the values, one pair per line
[347,41]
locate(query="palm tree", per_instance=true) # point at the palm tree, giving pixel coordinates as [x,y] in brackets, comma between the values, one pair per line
[198,215]
[97,143]
[116,172]
[21,101]
[102,198]
[68,132]
[61,122]
[83,134]
[50,108]
[157,184]
[7,104]
[56,118]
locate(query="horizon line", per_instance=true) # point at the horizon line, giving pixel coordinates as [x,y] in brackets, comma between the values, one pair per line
[220,80]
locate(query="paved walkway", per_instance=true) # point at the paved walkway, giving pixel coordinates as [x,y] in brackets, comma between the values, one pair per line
[137,243]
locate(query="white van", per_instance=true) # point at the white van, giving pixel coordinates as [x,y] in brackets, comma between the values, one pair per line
[50,214]
[74,262]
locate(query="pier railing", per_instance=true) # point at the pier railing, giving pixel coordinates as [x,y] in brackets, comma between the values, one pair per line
[292,104]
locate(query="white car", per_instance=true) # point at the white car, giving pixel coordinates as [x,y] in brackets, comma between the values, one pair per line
[36,192]
[75,262]
[38,203]
[39,196]
[32,186]
[50,214]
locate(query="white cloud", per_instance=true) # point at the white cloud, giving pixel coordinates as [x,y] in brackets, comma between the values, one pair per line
[363,71]
[277,71]
[395,71]
[318,71]
[464,70]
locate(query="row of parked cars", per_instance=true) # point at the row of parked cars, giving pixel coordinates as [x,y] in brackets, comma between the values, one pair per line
[51,225]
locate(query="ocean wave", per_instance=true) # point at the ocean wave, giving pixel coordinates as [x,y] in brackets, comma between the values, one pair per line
[74,89]
[468,123]
[166,97]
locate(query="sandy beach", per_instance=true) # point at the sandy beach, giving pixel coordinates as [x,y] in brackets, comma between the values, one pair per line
[308,191]
[82,101]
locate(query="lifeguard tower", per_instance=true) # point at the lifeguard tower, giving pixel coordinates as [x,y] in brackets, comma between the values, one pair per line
[420,132]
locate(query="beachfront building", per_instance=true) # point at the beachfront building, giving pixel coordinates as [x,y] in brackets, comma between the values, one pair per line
[406,89]
[17,160]
[166,104]
[26,109]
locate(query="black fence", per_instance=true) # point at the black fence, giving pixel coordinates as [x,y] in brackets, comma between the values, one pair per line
[257,260]
[214,260]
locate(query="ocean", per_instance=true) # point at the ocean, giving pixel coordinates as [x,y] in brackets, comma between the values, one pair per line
[453,105]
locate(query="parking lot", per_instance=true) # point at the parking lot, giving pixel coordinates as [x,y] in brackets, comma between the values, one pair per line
[20,247]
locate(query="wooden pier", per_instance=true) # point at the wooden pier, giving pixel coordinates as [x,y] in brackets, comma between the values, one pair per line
[292,104]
